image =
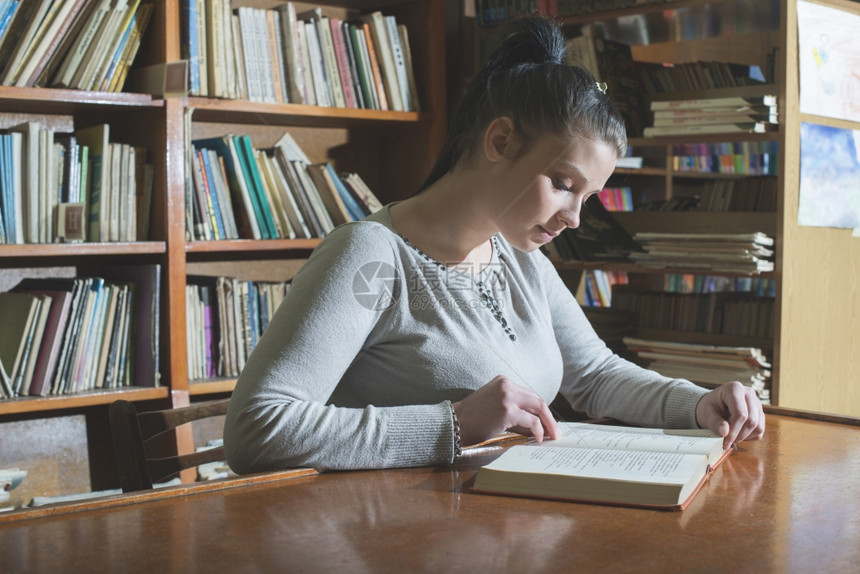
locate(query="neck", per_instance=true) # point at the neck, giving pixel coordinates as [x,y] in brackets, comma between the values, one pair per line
[448,221]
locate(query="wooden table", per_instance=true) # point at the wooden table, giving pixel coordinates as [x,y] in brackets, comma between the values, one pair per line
[789,503]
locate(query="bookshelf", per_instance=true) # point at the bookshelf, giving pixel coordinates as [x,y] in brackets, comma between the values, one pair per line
[814,333]
[391,150]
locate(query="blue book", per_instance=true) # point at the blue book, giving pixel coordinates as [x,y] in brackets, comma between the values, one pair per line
[348,200]
[213,195]
[247,217]
[6,16]
[190,48]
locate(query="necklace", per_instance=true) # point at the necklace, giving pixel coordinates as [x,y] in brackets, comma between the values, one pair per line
[488,300]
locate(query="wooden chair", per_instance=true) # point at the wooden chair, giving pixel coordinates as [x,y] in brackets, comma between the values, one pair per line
[131,431]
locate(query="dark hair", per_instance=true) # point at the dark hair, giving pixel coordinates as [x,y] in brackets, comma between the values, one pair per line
[527,79]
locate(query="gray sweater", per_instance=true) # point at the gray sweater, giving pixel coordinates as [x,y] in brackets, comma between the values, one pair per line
[359,364]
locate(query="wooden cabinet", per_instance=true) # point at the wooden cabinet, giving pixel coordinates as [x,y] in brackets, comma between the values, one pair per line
[816,269]
[393,152]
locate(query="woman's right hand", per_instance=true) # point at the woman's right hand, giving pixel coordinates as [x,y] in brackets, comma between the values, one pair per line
[502,405]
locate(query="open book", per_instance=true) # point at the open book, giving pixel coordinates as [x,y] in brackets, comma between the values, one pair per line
[606,464]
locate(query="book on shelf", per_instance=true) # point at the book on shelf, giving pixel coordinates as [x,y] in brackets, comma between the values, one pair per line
[292,54]
[227,316]
[382,46]
[244,202]
[276,56]
[599,237]
[697,76]
[605,464]
[24,317]
[611,63]
[330,61]
[748,127]
[706,365]
[723,102]
[144,312]
[49,351]
[749,253]
[735,313]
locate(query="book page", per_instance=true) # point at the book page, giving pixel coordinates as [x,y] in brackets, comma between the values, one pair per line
[592,436]
[637,466]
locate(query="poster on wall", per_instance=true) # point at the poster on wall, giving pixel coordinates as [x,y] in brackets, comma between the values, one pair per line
[829,58]
[829,177]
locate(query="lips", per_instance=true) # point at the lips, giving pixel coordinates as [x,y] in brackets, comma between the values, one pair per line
[546,234]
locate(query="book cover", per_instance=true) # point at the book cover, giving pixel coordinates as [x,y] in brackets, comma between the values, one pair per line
[292,47]
[379,87]
[342,62]
[96,138]
[599,236]
[20,312]
[49,353]
[244,205]
[382,46]
[252,175]
[328,193]
[398,56]
[146,314]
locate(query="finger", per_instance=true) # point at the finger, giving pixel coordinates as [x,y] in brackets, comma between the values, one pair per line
[738,412]
[754,427]
[528,424]
[549,426]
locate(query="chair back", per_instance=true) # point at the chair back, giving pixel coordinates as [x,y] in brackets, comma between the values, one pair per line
[132,430]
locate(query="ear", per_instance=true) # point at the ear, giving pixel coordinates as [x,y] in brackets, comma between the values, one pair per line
[501,140]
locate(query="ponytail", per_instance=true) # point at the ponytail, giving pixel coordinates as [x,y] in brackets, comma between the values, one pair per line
[527,79]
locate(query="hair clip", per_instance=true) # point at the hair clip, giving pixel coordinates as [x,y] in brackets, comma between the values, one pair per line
[601,86]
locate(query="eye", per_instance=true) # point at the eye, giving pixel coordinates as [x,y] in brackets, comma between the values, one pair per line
[559,185]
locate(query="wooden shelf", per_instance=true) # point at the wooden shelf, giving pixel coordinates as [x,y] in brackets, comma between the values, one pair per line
[57,101]
[86,399]
[32,250]
[246,112]
[251,245]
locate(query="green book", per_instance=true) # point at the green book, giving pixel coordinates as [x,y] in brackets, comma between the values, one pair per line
[252,174]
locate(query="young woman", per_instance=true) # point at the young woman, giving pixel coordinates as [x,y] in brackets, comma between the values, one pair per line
[437,322]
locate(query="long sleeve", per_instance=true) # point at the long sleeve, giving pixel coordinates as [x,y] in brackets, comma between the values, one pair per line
[601,383]
[280,415]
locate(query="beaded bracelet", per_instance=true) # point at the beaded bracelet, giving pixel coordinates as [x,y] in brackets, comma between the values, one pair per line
[458,447]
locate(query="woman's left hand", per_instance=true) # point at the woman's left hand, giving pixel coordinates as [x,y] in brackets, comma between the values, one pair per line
[732,411]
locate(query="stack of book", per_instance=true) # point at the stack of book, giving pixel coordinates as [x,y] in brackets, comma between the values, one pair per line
[63,336]
[226,318]
[237,191]
[743,253]
[72,187]
[278,56]
[79,44]
[713,116]
[706,365]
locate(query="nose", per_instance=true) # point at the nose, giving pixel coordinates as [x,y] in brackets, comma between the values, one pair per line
[569,216]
